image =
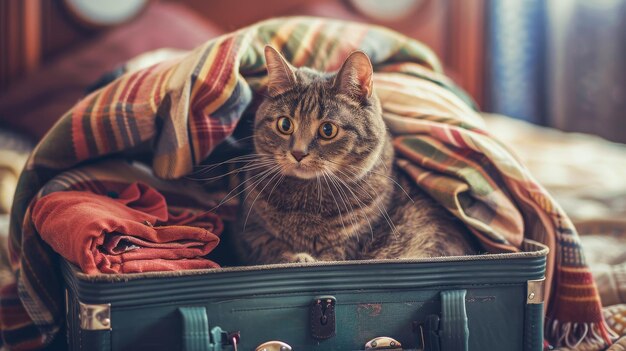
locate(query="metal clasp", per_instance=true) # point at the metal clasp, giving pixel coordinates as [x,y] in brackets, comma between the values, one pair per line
[322,317]
[95,317]
[273,346]
[535,291]
[383,343]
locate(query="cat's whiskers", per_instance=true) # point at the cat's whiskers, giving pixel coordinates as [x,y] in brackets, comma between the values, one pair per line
[319,193]
[324,174]
[344,197]
[243,158]
[250,166]
[275,174]
[266,174]
[282,177]
[253,179]
[386,215]
[363,190]
[382,210]
[376,173]
[359,203]
[245,138]
[354,223]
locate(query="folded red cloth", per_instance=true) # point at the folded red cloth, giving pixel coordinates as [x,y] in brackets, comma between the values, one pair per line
[130,232]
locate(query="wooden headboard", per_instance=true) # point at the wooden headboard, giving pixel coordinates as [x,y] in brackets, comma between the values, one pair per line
[35,31]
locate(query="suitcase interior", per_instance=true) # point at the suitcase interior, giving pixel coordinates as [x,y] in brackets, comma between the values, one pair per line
[392,298]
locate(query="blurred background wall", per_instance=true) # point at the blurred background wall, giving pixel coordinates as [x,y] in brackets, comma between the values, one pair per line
[586,58]
[558,63]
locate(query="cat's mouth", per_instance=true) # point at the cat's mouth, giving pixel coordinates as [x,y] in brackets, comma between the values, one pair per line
[301,170]
[304,173]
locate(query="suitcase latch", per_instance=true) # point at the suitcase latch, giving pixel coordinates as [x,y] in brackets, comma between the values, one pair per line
[95,317]
[322,319]
[383,343]
[273,346]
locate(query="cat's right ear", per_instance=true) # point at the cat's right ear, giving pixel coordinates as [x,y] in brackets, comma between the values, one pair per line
[355,76]
[281,76]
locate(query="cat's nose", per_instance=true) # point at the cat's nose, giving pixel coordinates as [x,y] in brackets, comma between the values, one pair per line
[298,155]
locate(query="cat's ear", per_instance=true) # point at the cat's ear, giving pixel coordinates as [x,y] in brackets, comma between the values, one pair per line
[281,76]
[355,76]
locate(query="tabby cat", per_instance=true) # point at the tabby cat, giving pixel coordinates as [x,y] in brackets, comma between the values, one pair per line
[325,186]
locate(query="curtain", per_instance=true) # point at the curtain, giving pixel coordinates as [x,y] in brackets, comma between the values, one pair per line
[560,63]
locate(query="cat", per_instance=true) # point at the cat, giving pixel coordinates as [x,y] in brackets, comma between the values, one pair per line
[325,186]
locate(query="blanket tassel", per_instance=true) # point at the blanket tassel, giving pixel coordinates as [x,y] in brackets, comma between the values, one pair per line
[572,334]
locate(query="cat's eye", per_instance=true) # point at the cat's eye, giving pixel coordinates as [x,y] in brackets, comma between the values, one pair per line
[285,125]
[328,130]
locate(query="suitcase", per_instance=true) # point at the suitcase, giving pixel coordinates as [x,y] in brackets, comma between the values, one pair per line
[483,302]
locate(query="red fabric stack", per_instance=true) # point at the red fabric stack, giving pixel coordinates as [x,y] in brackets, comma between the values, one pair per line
[130,232]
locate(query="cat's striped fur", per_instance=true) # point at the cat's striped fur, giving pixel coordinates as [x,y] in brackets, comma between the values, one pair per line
[345,199]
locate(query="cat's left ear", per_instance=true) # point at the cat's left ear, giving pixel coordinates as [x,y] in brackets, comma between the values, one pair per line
[281,76]
[355,76]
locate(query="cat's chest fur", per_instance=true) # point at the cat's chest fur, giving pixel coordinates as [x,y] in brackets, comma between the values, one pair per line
[383,216]
[312,215]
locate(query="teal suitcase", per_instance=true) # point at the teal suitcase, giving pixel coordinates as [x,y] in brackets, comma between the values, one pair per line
[483,302]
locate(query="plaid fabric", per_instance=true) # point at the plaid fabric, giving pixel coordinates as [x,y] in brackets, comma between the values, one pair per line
[179,110]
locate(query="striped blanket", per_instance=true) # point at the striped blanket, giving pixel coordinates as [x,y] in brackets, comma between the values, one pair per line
[179,110]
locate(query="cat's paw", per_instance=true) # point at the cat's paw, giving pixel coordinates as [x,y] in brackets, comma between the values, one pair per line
[300,257]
